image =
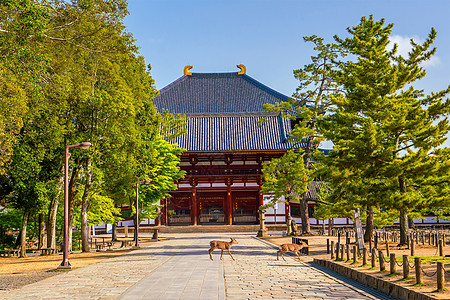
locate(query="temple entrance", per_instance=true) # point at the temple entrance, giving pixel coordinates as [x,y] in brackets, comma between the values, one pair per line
[179,209]
[245,207]
[211,207]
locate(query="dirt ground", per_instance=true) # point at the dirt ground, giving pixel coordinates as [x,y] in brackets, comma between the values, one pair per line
[318,249]
[16,272]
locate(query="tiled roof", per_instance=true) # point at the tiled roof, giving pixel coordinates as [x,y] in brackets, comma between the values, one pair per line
[235,132]
[219,93]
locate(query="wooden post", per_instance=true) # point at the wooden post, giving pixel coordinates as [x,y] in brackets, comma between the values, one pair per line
[337,251]
[364,256]
[328,246]
[387,248]
[342,252]
[423,238]
[347,239]
[392,263]
[370,243]
[354,254]
[125,229]
[440,275]
[347,252]
[374,257]
[405,266]
[441,248]
[413,248]
[332,249]
[408,240]
[381,260]
[418,270]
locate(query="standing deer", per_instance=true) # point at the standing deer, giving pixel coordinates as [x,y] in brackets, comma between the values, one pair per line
[222,246]
[295,248]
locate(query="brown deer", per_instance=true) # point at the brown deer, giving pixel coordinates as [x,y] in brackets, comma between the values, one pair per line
[295,248]
[222,246]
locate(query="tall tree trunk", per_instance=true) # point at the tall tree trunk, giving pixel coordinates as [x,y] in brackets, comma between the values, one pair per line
[23,233]
[404,228]
[52,212]
[84,208]
[369,225]
[72,185]
[411,223]
[330,225]
[114,233]
[306,227]
[41,231]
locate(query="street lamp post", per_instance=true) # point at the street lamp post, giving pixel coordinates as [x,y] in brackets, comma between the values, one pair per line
[136,224]
[65,263]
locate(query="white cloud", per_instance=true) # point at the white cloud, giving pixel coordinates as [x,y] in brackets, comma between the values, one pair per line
[404,46]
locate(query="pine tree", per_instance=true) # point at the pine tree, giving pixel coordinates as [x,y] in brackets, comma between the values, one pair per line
[387,134]
[307,105]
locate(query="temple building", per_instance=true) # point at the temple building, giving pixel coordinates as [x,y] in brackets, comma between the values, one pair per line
[229,137]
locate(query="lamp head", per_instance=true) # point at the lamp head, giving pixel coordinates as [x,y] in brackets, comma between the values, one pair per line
[85,145]
[147,182]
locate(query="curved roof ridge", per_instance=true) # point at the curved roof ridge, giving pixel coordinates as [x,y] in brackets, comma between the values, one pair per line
[265,87]
[172,84]
[204,93]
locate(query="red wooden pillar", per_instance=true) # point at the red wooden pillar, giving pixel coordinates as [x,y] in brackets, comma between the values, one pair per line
[194,211]
[194,206]
[229,203]
[260,194]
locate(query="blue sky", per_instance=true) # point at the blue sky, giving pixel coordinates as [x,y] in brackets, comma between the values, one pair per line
[266,36]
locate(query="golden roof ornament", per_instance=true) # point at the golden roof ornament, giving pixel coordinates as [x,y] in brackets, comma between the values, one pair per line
[243,69]
[186,70]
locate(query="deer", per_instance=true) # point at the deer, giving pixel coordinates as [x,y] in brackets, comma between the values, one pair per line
[295,248]
[222,246]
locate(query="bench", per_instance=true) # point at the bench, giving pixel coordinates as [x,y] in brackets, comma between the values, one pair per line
[9,252]
[109,245]
[126,243]
[48,251]
[100,247]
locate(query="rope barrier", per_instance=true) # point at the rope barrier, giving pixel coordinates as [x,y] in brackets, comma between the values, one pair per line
[424,273]
[413,265]
[399,264]
[445,271]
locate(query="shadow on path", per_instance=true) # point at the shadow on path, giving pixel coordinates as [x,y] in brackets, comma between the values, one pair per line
[351,282]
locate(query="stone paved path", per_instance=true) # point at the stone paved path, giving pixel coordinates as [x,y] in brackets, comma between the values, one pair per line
[180,268]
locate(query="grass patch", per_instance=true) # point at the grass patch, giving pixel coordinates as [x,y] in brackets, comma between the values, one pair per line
[407,278]
[356,262]
[426,259]
[420,284]
[393,274]
[441,290]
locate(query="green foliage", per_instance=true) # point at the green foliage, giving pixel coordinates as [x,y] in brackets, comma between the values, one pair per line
[285,177]
[387,134]
[71,73]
